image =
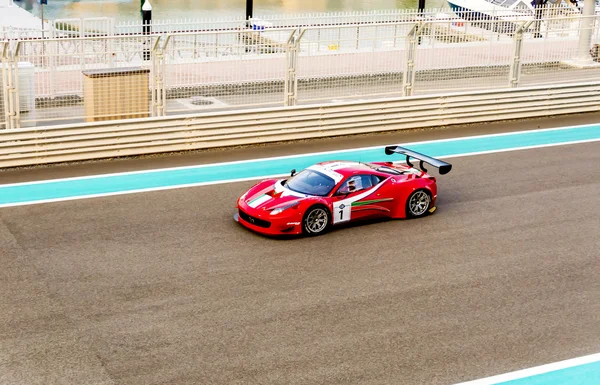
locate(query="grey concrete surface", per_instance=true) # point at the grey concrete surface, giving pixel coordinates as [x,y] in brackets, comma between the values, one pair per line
[165,288]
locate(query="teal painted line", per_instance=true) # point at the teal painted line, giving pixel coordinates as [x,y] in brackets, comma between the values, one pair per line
[577,371]
[588,374]
[29,193]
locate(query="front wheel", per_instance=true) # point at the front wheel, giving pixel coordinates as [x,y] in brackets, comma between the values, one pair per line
[316,220]
[418,204]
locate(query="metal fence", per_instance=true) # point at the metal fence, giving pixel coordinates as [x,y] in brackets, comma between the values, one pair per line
[74,79]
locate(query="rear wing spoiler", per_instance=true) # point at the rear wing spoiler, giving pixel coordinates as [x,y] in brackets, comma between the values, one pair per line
[441,165]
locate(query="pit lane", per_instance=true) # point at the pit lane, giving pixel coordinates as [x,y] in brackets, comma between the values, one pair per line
[165,287]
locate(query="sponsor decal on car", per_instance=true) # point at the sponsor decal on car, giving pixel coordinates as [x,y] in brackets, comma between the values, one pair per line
[370,202]
[343,209]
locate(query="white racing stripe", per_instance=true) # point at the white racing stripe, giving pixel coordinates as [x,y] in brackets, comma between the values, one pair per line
[259,201]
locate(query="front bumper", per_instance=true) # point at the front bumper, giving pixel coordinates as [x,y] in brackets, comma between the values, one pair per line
[262,222]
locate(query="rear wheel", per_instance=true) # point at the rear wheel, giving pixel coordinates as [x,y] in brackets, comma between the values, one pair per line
[316,220]
[418,204]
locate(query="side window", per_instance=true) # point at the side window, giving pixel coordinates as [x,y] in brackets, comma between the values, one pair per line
[376,179]
[367,182]
[356,183]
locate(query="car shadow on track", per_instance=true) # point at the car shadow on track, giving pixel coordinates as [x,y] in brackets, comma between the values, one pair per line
[333,229]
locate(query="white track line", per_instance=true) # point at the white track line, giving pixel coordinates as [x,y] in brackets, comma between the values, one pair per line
[301,155]
[535,371]
[172,187]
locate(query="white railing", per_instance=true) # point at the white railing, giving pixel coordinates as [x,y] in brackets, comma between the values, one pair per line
[242,68]
[23,147]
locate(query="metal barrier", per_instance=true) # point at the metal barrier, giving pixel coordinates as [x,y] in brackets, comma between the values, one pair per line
[28,146]
[242,68]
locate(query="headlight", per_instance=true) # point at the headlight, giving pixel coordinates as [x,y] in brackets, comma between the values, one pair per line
[280,209]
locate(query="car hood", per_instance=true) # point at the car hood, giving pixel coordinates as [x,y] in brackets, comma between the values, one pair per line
[271,196]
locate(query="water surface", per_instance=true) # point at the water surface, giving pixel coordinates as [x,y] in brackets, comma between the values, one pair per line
[173,9]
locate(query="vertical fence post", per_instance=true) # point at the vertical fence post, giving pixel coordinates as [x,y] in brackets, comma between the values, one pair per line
[82,45]
[585,33]
[110,46]
[515,65]
[52,53]
[291,76]
[4,120]
[412,43]
[10,85]
[158,78]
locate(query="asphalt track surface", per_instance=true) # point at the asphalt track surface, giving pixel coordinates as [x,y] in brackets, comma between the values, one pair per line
[165,288]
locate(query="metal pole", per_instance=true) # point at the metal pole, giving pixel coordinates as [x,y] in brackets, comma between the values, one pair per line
[42,4]
[147,26]
[538,18]
[585,34]
[421,12]
[249,9]
[408,77]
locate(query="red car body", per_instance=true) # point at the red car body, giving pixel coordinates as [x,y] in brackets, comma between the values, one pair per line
[338,192]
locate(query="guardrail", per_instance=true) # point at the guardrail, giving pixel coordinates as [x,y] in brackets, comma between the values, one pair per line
[22,147]
[49,81]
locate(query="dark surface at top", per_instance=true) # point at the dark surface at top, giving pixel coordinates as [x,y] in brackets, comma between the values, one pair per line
[115,72]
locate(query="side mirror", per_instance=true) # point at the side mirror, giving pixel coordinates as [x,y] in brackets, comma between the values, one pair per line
[293,172]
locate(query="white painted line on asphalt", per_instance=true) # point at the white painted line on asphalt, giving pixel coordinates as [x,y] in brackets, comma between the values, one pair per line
[310,154]
[172,187]
[535,371]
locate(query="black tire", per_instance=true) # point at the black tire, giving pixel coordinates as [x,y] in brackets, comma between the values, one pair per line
[418,204]
[321,215]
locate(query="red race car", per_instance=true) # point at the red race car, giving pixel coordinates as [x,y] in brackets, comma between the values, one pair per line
[331,193]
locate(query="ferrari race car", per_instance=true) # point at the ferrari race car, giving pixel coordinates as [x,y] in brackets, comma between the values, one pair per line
[330,193]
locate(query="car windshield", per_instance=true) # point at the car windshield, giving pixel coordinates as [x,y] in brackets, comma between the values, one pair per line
[311,182]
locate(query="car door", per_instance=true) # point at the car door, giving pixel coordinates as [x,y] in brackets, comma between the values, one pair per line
[358,197]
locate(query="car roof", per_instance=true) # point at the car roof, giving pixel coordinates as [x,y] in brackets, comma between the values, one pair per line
[342,167]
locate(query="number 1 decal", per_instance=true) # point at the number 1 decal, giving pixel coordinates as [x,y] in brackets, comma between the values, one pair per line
[342,212]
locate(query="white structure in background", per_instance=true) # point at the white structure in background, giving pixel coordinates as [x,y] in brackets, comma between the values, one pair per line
[505,9]
[15,18]
[583,58]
